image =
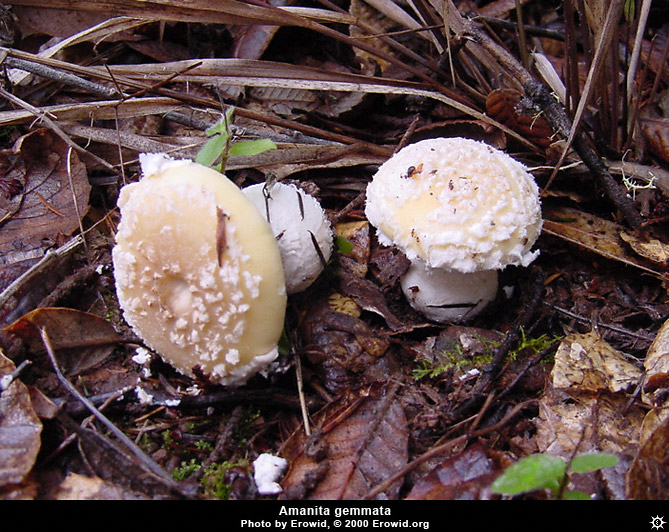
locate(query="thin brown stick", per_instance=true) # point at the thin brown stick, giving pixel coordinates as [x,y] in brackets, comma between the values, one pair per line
[143,458]
[444,447]
[540,97]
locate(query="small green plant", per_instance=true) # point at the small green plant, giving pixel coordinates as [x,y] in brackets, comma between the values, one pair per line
[431,369]
[545,472]
[168,439]
[455,357]
[220,145]
[213,481]
[185,470]
[533,344]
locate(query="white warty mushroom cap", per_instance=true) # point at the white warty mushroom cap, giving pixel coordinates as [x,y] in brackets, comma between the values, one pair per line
[456,203]
[295,217]
[198,272]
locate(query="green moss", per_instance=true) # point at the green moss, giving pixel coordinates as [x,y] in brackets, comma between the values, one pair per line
[455,358]
[185,470]
[213,481]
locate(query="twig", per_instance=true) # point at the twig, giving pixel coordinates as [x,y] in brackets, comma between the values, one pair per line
[527,28]
[147,462]
[42,117]
[300,392]
[491,370]
[636,50]
[7,380]
[541,98]
[441,449]
[50,257]
[59,76]
[620,330]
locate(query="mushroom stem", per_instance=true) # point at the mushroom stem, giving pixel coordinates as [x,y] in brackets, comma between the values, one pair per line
[443,295]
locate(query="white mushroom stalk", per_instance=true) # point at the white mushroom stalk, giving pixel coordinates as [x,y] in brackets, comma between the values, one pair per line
[456,207]
[301,228]
[198,271]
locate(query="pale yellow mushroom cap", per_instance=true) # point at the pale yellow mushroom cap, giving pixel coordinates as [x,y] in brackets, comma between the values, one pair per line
[457,204]
[198,271]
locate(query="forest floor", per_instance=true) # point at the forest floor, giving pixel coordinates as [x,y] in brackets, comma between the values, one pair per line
[368,398]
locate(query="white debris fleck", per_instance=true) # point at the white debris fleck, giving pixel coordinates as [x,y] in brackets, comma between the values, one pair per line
[143,396]
[267,470]
[142,356]
[194,390]
[471,373]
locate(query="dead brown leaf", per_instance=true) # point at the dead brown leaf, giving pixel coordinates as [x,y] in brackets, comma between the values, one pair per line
[20,431]
[362,439]
[587,363]
[656,365]
[649,473]
[53,198]
[342,348]
[357,234]
[656,132]
[503,106]
[586,409]
[465,476]
[81,340]
[594,234]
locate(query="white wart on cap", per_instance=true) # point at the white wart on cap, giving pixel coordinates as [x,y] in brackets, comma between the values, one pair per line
[301,228]
[457,205]
[198,272]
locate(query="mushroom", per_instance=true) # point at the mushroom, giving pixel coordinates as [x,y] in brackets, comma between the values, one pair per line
[198,271]
[302,230]
[460,210]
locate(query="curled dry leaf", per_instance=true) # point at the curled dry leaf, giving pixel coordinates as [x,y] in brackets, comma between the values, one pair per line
[361,440]
[648,476]
[594,234]
[651,249]
[656,132]
[587,363]
[587,409]
[649,473]
[368,296]
[80,339]
[656,364]
[355,235]
[20,430]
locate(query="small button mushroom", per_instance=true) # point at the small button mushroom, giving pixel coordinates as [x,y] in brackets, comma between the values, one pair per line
[198,271]
[456,207]
[301,228]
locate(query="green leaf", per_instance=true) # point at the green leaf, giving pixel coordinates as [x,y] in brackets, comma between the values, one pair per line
[222,127]
[576,495]
[588,462]
[211,151]
[629,9]
[251,147]
[534,472]
[344,246]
